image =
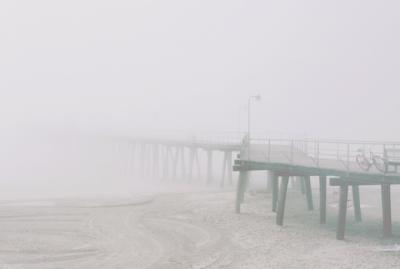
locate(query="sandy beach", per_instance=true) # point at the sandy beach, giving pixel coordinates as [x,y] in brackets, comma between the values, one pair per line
[187,230]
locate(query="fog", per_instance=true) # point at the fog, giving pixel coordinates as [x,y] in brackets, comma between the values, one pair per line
[327,70]
[85,85]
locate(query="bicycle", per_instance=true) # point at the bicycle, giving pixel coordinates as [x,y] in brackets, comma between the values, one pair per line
[375,160]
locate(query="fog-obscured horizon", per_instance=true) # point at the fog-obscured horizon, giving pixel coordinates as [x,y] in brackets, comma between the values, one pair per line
[323,69]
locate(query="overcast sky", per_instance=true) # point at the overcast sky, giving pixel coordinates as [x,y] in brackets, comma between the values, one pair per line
[326,68]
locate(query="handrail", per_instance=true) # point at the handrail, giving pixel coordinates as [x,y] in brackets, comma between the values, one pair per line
[298,151]
[334,141]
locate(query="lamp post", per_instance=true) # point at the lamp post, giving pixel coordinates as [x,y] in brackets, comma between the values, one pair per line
[241,112]
[257,98]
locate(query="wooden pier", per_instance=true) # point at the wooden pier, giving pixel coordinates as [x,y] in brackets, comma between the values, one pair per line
[287,161]
[336,160]
[179,158]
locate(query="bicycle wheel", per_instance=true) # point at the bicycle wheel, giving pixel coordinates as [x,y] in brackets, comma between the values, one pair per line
[363,162]
[379,163]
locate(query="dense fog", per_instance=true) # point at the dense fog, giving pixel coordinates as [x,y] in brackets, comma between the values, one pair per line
[181,134]
[115,68]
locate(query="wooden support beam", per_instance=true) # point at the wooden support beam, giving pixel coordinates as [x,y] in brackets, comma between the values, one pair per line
[209,166]
[275,190]
[322,199]
[341,224]
[224,167]
[230,168]
[175,164]
[183,162]
[156,165]
[191,163]
[148,161]
[269,181]
[307,184]
[386,210]
[165,162]
[302,185]
[356,202]
[197,161]
[142,159]
[247,182]
[169,156]
[132,160]
[282,200]
[245,185]
[240,189]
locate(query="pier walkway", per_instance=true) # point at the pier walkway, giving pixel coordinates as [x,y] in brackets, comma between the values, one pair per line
[343,163]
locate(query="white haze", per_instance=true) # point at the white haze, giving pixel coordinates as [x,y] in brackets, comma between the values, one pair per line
[328,69]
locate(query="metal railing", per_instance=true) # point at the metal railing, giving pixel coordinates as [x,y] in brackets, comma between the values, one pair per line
[223,139]
[297,151]
[310,152]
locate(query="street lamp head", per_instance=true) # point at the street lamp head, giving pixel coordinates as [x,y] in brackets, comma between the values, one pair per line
[256,97]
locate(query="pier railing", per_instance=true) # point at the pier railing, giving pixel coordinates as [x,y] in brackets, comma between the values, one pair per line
[319,152]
